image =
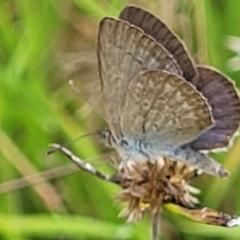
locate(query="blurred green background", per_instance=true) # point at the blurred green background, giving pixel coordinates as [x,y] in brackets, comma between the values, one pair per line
[45,43]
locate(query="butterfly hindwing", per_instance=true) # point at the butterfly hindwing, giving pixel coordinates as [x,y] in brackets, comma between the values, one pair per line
[164,107]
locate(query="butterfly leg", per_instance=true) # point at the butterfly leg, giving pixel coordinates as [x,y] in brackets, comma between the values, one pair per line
[85,166]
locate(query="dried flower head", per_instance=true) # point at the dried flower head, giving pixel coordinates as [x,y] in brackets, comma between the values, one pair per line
[146,186]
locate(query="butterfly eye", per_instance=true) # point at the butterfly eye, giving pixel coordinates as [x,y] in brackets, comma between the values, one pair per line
[124,143]
[168,177]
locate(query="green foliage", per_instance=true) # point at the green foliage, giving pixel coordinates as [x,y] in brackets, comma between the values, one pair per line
[38,107]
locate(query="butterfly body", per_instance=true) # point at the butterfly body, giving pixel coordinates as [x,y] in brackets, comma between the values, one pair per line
[130,149]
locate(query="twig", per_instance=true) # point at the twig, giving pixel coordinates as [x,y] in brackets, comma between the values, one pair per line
[156,223]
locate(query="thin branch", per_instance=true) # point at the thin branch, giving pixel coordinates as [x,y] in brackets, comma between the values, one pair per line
[37,178]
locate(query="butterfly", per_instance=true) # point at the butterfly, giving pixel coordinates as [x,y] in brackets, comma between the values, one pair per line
[156,102]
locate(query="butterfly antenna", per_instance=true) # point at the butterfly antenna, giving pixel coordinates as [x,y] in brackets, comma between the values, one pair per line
[74,88]
[93,99]
[69,143]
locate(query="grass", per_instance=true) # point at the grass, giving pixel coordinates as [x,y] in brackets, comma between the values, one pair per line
[38,107]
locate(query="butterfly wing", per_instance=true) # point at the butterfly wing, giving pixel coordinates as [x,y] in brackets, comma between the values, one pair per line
[224,100]
[123,52]
[158,30]
[163,106]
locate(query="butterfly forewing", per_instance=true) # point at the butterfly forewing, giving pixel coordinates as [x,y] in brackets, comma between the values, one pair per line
[123,52]
[224,100]
[164,107]
[163,35]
